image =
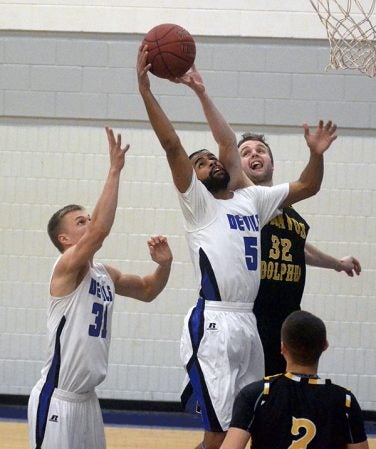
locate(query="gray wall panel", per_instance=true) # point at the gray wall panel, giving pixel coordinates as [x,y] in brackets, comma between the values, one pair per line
[284,79]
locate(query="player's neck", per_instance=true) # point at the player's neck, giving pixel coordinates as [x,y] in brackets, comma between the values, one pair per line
[296,368]
[265,183]
[225,194]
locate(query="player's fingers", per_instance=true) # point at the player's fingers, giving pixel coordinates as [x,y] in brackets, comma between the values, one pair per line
[110,135]
[158,239]
[328,125]
[142,48]
[145,68]
[333,128]
[321,124]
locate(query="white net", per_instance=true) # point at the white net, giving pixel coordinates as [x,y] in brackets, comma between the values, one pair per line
[351,33]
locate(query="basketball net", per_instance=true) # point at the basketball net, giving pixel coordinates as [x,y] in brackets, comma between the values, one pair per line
[351,34]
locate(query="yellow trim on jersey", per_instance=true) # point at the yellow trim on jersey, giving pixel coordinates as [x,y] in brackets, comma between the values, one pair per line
[310,380]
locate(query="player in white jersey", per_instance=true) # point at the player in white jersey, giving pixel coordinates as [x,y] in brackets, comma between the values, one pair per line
[223,213]
[63,410]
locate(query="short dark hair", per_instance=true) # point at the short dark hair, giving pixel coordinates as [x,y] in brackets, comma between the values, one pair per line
[257,137]
[197,152]
[304,336]
[54,223]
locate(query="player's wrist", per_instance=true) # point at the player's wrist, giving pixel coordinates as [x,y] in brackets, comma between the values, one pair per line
[165,263]
[338,266]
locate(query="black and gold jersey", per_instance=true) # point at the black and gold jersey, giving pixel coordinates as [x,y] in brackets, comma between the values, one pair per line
[282,273]
[290,411]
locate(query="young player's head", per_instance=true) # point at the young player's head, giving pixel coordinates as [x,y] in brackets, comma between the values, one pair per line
[256,158]
[67,225]
[209,170]
[303,335]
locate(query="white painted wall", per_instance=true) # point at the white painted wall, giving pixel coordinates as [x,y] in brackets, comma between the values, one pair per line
[257,18]
[45,167]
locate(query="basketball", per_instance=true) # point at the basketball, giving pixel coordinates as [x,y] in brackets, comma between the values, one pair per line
[171,50]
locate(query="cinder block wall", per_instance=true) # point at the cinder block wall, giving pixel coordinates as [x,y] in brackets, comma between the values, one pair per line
[58,91]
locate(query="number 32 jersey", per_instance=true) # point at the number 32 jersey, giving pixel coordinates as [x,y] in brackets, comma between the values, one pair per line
[224,238]
[79,333]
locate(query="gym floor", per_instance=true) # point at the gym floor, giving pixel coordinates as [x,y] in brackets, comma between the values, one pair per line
[129,430]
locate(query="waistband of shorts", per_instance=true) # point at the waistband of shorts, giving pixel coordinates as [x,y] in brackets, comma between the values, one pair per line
[229,306]
[67,395]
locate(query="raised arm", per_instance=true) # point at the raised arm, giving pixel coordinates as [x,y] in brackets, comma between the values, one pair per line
[148,287]
[310,179]
[221,130]
[180,165]
[75,259]
[314,257]
[103,215]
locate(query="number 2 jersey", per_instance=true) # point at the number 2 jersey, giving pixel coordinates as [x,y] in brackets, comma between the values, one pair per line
[79,332]
[224,238]
[291,411]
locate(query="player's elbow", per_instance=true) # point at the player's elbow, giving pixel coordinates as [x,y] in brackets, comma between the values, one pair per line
[99,233]
[149,295]
[310,190]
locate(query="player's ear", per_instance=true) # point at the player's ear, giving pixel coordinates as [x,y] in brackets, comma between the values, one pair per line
[326,346]
[63,239]
[283,349]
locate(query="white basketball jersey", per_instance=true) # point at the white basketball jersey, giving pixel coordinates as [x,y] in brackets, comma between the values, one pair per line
[224,238]
[79,333]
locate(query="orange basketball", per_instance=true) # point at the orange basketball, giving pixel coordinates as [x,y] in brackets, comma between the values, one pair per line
[171,50]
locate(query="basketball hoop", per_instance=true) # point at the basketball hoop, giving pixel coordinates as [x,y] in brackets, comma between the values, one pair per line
[351,34]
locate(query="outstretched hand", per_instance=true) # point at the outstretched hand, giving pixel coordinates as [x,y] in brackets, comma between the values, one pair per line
[160,251]
[191,79]
[349,265]
[323,137]
[117,154]
[142,68]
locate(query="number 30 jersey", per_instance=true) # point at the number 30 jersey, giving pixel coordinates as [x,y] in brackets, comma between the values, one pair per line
[224,238]
[79,333]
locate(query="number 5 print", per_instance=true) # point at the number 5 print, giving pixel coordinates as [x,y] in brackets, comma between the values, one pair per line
[250,244]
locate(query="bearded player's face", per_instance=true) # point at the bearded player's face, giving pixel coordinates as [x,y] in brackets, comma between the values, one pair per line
[210,171]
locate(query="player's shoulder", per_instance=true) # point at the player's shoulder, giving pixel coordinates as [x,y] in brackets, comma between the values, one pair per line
[107,270]
[340,390]
[253,388]
[258,190]
[290,211]
[262,385]
[251,191]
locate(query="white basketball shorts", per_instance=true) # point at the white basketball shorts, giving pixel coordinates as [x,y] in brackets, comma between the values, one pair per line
[221,352]
[64,420]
